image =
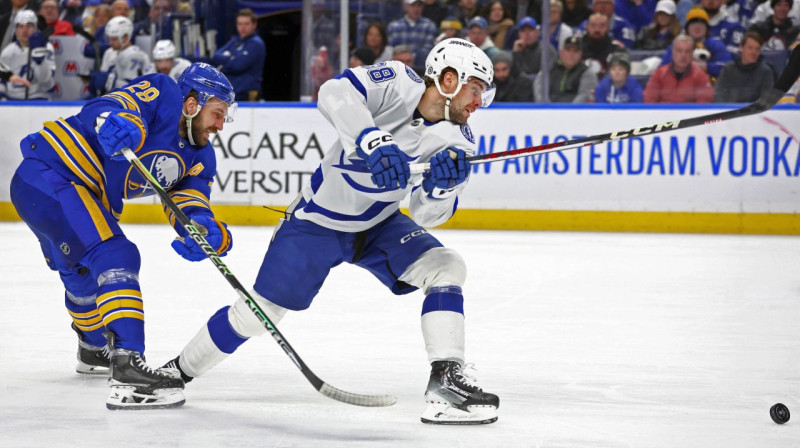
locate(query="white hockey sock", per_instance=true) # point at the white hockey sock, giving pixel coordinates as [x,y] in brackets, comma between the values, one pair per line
[443,332]
[201,353]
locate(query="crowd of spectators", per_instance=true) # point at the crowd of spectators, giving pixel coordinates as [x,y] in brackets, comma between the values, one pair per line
[605,51]
[615,51]
[111,29]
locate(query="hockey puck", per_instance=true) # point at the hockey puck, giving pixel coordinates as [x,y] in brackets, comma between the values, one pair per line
[779,413]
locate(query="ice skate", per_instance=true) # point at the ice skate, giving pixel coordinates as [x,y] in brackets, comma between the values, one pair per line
[453,398]
[135,385]
[175,364]
[92,360]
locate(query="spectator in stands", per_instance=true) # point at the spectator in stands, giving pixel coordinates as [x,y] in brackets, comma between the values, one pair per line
[48,9]
[100,16]
[680,81]
[597,44]
[499,19]
[361,56]
[450,27]
[710,53]
[155,21]
[165,60]
[478,34]
[242,58]
[42,62]
[745,78]
[620,28]
[509,87]
[618,86]
[404,54]
[375,39]
[638,13]
[571,81]
[413,30]
[659,34]
[72,11]
[575,12]
[7,23]
[764,9]
[777,30]
[558,30]
[466,10]
[721,26]
[435,11]
[527,50]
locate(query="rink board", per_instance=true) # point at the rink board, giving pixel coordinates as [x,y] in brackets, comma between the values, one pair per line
[739,176]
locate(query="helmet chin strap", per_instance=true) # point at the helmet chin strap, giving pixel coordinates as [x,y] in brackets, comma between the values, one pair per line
[448,97]
[189,118]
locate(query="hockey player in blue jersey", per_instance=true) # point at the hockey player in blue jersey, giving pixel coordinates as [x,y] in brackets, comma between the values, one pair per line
[386,117]
[70,187]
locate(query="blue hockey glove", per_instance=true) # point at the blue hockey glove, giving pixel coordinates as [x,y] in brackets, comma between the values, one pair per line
[215,232]
[38,45]
[449,169]
[387,163]
[121,129]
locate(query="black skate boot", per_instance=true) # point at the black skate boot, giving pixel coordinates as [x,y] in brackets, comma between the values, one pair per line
[453,397]
[92,360]
[135,385]
[176,365]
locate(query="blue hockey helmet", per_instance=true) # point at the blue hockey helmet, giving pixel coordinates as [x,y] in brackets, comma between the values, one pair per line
[208,82]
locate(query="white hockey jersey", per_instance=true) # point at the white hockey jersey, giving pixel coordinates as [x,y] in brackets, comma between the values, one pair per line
[178,66]
[123,66]
[342,195]
[41,73]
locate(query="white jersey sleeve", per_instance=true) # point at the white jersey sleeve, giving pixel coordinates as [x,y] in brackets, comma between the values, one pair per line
[130,63]
[178,66]
[383,95]
[41,72]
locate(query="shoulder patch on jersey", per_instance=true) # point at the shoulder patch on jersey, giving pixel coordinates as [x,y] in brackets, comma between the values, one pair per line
[467,131]
[413,75]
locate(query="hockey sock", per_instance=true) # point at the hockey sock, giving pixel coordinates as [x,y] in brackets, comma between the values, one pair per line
[86,318]
[120,306]
[443,324]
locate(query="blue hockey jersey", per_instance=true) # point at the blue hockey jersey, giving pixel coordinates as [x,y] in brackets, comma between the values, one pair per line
[70,147]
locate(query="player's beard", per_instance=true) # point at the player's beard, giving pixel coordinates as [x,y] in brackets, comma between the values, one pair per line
[198,133]
[458,113]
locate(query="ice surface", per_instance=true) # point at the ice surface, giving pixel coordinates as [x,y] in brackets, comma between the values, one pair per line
[590,340]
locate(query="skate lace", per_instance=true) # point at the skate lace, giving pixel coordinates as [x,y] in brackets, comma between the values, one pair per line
[468,379]
[143,365]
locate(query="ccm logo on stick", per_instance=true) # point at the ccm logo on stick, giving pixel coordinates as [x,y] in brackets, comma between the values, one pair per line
[645,130]
[405,239]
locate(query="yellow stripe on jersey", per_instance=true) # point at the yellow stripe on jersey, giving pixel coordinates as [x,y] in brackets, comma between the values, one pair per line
[82,315]
[130,99]
[125,100]
[117,303]
[98,218]
[77,159]
[91,156]
[114,305]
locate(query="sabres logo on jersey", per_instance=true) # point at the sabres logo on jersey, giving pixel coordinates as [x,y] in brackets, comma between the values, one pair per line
[167,167]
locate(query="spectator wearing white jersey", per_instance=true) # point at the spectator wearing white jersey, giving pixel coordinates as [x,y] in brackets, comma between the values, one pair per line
[15,56]
[165,60]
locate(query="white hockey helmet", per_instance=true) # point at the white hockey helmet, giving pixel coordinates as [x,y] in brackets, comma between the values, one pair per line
[467,60]
[163,49]
[119,26]
[26,16]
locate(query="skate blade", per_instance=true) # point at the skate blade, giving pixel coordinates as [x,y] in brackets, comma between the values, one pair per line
[446,414]
[127,398]
[86,369]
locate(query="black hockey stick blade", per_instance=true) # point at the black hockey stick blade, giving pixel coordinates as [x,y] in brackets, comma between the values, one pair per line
[321,386]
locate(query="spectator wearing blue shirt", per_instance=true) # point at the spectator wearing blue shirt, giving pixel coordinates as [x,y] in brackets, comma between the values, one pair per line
[413,30]
[617,86]
[620,29]
[242,58]
[638,12]
[710,53]
[721,26]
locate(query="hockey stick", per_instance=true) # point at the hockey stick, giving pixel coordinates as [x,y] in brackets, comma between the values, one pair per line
[765,102]
[323,387]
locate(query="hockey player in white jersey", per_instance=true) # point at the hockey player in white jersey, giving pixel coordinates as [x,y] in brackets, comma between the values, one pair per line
[164,60]
[386,117]
[123,61]
[41,71]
